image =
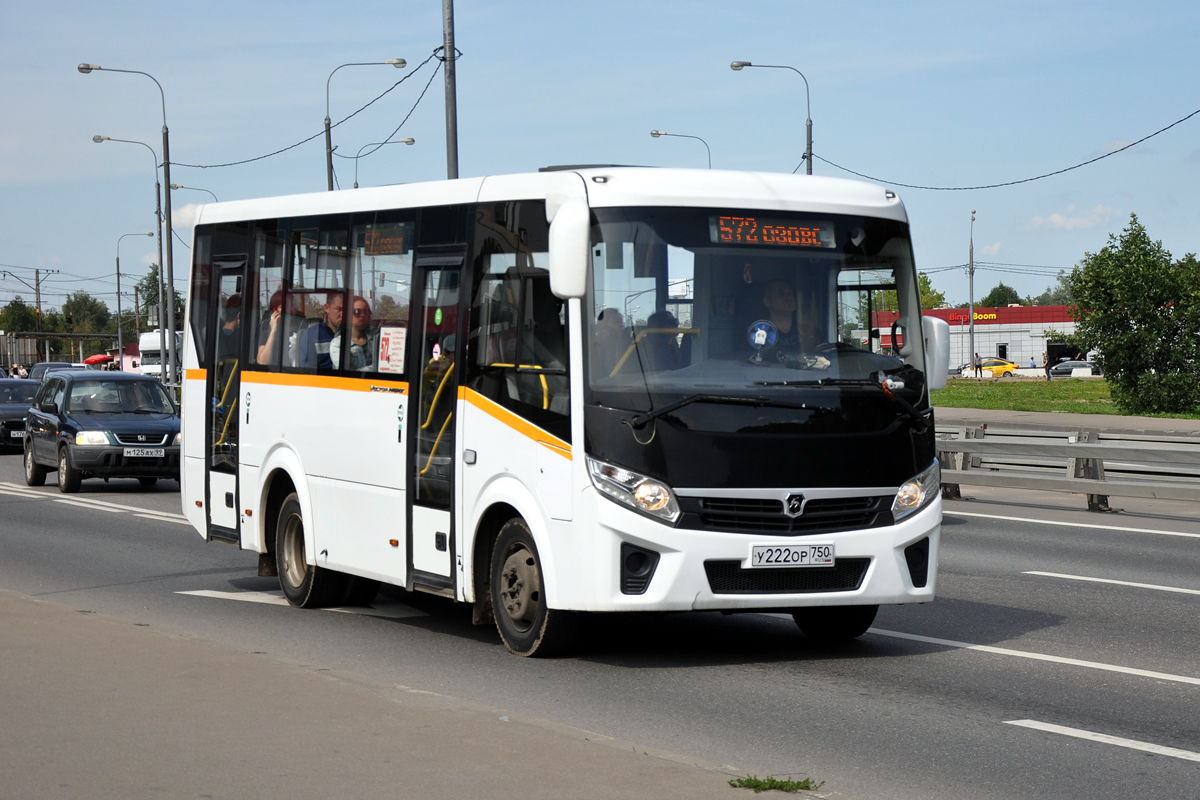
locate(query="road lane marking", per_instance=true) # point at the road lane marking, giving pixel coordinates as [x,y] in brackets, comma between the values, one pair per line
[388,609]
[87,505]
[1074,662]
[1132,744]
[89,502]
[1117,583]
[163,518]
[1073,524]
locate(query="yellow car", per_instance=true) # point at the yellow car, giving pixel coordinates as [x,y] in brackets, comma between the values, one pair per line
[999,367]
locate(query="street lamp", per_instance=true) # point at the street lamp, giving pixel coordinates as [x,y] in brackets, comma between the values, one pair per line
[194,189]
[398,63]
[158,221]
[657,134]
[170,270]
[406,140]
[120,335]
[737,66]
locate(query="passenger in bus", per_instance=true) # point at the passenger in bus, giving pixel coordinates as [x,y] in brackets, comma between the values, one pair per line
[231,320]
[612,340]
[363,343]
[278,323]
[659,347]
[315,340]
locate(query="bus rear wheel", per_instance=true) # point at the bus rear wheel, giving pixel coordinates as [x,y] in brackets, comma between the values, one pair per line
[305,585]
[528,627]
[834,623]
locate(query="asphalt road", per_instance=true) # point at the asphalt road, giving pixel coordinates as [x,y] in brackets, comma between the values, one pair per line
[1059,660]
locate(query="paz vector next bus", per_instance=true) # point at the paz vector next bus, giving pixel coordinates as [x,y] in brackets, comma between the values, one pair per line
[587,389]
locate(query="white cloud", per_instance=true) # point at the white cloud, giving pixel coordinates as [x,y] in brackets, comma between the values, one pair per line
[1075,219]
[991,249]
[184,217]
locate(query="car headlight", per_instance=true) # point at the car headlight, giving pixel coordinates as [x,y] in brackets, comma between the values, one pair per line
[91,437]
[915,493]
[178,440]
[634,489]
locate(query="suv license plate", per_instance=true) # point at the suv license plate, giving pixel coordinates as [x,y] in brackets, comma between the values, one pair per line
[144,452]
[791,555]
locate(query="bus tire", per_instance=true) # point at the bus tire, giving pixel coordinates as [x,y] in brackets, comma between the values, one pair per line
[35,473]
[305,585]
[68,476]
[834,623]
[527,626]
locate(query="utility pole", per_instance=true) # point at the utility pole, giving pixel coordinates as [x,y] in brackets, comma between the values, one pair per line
[971,288]
[449,54]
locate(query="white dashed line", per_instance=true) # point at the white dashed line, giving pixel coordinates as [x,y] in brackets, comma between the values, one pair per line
[383,607]
[1115,583]
[1132,744]
[1072,524]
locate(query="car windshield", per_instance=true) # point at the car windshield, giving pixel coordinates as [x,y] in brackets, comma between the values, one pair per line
[18,395]
[116,397]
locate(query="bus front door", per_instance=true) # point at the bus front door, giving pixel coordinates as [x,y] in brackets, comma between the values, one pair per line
[224,383]
[432,441]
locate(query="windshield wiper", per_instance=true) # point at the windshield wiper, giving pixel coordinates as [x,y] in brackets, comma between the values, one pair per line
[641,419]
[909,410]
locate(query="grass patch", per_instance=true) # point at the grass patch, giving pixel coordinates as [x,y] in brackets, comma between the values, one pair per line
[1076,395]
[778,784]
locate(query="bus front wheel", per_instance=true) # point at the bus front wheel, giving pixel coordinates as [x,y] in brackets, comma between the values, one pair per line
[528,627]
[305,585]
[834,623]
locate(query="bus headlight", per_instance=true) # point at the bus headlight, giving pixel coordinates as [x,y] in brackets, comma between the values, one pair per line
[91,437]
[634,489]
[915,493]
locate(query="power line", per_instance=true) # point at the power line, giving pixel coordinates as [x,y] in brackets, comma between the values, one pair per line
[1011,183]
[322,131]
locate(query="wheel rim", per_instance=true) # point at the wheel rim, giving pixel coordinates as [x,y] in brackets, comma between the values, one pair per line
[62,468]
[520,588]
[28,463]
[292,551]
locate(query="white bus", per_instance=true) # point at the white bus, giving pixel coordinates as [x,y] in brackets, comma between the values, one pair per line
[587,389]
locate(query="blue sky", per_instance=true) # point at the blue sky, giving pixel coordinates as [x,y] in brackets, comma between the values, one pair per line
[937,94]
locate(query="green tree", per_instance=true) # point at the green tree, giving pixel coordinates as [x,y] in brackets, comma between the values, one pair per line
[147,293]
[86,313]
[930,297]
[1000,296]
[1141,311]
[1057,295]
[18,317]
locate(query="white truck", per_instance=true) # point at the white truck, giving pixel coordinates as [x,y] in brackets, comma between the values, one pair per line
[152,357]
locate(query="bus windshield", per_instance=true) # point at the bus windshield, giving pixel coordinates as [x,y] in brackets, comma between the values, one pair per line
[726,304]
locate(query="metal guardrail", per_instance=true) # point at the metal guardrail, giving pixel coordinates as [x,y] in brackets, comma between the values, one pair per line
[1081,462]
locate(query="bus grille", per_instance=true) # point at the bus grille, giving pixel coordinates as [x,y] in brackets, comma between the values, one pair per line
[728,577]
[765,515]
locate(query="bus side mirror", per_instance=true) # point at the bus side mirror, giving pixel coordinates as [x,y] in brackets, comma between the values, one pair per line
[570,245]
[937,351]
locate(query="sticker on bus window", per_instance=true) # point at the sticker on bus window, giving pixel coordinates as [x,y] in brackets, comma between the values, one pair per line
[391,350]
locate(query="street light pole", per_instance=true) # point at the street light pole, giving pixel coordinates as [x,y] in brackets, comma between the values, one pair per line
[657,134]
[170,270]
[971,287]
[449,56]
[737,66]
[406,140]
[120,334]
[194,189]
[398,63]
[158,225]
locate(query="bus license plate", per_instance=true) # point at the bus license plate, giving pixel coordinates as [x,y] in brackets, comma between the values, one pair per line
[144,452]
[791,555]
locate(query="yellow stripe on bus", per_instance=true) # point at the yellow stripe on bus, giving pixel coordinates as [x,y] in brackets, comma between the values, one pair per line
[511,420]
[325,382]
[196,375]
